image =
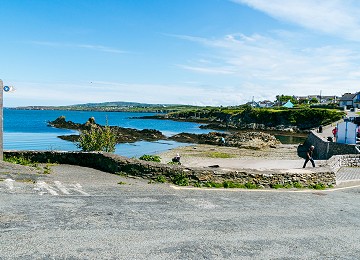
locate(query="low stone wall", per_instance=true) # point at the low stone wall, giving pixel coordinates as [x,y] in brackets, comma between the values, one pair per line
[325,149]
[118,164]
[348,160]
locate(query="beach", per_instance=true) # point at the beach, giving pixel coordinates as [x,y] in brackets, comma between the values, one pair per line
[283,156]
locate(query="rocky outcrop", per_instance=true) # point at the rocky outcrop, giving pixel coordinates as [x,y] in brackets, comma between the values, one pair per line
[123,135]
[255,126]
[250,140]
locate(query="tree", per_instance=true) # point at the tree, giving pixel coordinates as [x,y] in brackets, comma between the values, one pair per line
[285,98]
[314,101]
[97,138]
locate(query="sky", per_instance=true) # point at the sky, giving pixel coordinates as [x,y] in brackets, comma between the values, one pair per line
[195,52]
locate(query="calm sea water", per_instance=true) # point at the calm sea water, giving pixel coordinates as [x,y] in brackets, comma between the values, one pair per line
[28,130]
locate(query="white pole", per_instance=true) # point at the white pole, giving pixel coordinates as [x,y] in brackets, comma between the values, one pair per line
[1,119]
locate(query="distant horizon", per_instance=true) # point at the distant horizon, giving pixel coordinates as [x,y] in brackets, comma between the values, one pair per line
[201,53]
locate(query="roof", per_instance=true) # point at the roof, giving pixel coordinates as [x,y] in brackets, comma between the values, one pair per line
[347,97]
[289,104]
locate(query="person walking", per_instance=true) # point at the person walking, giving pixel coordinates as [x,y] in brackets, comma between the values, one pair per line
[309,156]
[334,132]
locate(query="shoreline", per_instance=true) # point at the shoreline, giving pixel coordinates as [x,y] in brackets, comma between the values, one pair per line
[283,156]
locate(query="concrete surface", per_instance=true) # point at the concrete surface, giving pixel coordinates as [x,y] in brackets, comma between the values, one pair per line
[81,213]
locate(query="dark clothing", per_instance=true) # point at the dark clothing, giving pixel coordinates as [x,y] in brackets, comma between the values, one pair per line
[309,156]
[176,159]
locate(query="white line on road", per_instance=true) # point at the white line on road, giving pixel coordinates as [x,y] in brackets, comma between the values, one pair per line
[41,185]
[61,187]
[9,183]
[78,188]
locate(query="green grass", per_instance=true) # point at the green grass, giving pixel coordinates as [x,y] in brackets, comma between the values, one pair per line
[21,160]
[218,155]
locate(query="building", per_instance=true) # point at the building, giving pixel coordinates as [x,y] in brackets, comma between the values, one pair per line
[349,100]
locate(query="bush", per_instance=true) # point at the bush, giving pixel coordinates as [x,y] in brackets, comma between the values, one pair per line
[180,179]
[150,158]
[97,139]
[161,178]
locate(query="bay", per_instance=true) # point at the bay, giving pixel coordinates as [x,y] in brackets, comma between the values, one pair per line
[28,130]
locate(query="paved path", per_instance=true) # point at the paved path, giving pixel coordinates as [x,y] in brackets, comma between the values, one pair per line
[81,213]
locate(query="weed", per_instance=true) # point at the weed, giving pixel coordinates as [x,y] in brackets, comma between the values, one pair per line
[319,186]
[161,178]
[124,174]
[277,186]
[174,163]
[197,184]
[250,185]
[180,179]
[121,183]
[211,184]
[47,169]
[150,158]
[218,155]
[288,186]
[298,185]
[20,160]
[231,185]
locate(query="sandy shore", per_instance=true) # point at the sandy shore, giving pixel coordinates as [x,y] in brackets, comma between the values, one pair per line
[281,157]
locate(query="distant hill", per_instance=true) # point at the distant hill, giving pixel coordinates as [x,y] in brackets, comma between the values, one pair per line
[113,106]
[123,104]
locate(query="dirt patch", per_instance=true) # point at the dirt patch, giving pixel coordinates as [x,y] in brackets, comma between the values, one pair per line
[190,155]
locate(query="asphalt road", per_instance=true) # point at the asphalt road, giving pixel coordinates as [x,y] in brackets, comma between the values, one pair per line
[81,213]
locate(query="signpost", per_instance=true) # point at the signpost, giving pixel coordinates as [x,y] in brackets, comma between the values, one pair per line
[1,119]
[2,89]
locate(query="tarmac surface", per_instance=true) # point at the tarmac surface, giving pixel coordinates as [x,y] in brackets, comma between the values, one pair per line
[81,213]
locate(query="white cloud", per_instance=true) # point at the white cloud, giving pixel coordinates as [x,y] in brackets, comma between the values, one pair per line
[100,48]
[275,65]
[33,93]
[334,17]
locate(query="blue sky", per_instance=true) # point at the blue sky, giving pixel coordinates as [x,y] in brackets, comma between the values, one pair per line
[199,52]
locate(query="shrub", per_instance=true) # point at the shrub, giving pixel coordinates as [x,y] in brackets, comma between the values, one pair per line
[97,139]
[150,158]
[180,179]
[161,178]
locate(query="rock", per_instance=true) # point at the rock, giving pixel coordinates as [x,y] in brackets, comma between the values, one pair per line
[123,135]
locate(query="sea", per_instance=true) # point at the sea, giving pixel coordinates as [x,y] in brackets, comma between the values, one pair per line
[29,130]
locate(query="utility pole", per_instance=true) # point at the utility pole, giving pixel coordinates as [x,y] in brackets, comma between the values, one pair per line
[1,119]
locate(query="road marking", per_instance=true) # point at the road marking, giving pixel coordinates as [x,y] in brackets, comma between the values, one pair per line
[9,183]
[78,188]
[41,185]
[61,187]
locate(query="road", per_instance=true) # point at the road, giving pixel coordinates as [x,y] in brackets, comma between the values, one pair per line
[81,213]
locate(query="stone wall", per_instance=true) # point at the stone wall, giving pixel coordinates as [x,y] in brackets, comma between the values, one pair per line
[117,164]
[325,149]
[348,160]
